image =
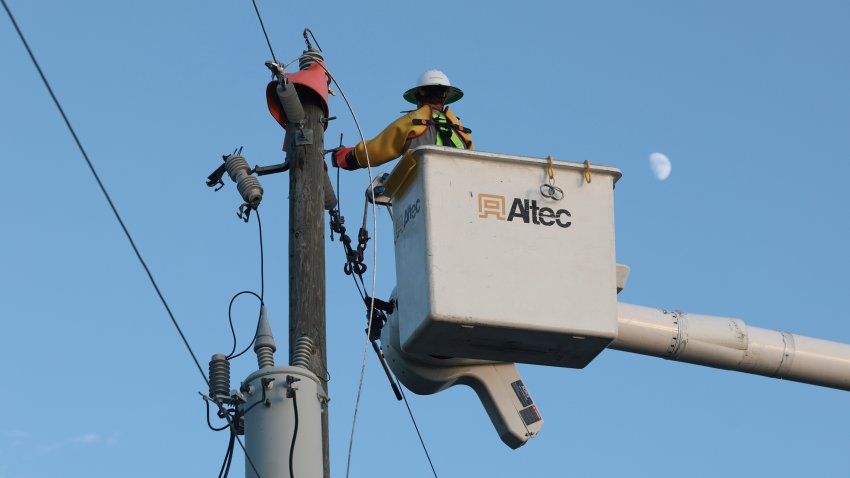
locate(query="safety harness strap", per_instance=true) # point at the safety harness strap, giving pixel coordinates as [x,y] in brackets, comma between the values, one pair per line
[456,127]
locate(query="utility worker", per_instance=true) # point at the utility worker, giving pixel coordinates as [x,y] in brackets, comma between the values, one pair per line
[431,123]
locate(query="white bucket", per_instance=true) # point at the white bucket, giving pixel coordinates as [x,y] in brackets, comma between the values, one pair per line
[489,268]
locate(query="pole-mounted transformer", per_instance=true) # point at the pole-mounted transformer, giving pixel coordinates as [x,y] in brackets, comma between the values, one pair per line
[278,408]
[282,412]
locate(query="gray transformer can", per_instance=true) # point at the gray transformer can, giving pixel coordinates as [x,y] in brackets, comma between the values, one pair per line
[279,399]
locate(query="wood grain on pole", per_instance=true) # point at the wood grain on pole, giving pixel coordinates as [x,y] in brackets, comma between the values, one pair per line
[307,245]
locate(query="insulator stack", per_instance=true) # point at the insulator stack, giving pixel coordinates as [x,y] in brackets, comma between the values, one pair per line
[290,102]
[264,345]
[219,372]
[248,185]
[309,57]
[265,357]
[303,352]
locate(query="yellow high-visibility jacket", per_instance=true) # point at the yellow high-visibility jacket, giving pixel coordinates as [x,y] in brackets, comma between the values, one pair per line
[396,138]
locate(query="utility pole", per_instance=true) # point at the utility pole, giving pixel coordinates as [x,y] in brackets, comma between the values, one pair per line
[307,243]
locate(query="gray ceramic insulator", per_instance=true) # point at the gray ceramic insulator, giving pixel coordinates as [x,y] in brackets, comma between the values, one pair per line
[247,185]
[303,352]
[264,345]
[250,189]
[290,102]
[219,373]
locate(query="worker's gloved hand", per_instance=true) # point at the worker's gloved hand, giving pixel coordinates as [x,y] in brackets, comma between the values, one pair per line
[345,159]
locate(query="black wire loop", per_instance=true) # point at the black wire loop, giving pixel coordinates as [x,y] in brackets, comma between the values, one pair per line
[551,191]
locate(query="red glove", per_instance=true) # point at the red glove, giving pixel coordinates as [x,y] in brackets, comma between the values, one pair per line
[345,159]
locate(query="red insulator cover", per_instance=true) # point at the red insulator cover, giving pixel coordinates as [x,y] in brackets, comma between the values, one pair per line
[313,77]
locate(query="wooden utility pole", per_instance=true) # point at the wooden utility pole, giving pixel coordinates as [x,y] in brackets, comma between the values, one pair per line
[307,242]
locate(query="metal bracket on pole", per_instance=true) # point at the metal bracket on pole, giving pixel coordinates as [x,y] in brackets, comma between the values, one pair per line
[303,136]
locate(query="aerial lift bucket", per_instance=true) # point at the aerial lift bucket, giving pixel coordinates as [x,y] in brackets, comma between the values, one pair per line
[504,258]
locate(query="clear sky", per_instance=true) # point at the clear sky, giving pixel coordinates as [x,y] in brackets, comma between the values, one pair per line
[750,101]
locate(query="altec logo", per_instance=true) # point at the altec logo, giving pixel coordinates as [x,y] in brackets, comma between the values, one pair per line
[410,213]
[495,206]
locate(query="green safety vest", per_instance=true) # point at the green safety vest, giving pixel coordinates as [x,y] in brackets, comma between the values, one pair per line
[445,132]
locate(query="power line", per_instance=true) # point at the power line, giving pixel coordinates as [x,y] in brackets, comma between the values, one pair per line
[105,194]
[233,353]
[415,426]
[118,217]
[263,26]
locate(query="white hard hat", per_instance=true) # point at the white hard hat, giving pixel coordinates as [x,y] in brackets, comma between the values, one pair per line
[434,78]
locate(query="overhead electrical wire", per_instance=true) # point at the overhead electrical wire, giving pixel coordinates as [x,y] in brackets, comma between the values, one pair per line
[228,457]
[232,355]
[263,26]
[106,194]
[416,427]
[294,434]
[118,216]
[209,424]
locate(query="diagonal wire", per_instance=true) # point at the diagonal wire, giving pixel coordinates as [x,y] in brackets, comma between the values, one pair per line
[105,194]
[263,26]
[118,216]
[410,412]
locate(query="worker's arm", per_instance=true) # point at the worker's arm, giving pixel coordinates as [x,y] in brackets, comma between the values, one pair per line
[383,148]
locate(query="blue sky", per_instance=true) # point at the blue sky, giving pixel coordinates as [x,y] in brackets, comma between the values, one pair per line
[748,99]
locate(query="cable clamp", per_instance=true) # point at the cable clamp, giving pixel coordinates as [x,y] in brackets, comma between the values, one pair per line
[245,211]
[277,71]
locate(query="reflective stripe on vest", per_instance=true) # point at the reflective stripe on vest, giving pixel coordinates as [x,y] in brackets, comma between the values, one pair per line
[445,132]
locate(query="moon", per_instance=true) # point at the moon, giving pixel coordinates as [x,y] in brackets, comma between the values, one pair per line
[660,165]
